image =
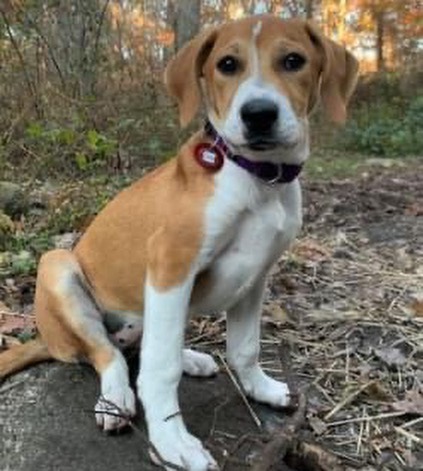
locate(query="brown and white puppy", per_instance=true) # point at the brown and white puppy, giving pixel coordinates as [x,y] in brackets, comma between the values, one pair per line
[192,238]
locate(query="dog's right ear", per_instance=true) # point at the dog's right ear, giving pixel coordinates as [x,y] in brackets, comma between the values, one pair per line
[182,74]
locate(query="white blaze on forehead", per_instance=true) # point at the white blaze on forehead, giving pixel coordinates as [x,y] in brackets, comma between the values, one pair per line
[254,50]
[257,29]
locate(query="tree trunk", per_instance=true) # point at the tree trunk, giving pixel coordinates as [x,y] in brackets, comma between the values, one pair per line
[187,21]
[309,9]
[380,32]
[342,11]
[75,37]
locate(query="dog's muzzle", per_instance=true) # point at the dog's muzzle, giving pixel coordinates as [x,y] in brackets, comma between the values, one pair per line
[260,117]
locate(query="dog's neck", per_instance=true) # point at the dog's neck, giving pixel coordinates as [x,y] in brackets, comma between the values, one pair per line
[268,172]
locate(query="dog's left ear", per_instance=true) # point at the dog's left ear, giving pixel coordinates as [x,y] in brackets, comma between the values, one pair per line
[338,74]
[182,74]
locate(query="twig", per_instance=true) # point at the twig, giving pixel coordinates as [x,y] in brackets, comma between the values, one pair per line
[49,48]
[361,433]
[100,27]
[408,435]
[8,387]
[388,415]
[215,412]
[15,45]
[276,449]
[412,422]
[232,377]
[286,364]
[16,314]
[347,400]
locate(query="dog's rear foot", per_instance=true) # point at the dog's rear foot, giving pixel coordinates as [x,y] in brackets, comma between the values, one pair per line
[198,363]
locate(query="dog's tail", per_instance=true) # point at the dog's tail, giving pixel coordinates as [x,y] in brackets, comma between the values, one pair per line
[21,356]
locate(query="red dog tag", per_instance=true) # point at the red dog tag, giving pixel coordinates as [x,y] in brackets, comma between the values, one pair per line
[209,157]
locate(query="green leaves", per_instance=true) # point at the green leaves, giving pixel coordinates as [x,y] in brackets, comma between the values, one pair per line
[86,150]
[101,145]
[81,161]
[388,129]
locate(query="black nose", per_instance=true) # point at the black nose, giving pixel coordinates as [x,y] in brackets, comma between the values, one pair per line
[259,115]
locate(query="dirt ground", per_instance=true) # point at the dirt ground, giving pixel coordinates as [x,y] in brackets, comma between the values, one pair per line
[345,311]
[342,324]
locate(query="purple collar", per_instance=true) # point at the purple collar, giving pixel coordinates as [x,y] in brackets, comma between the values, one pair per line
[266,171]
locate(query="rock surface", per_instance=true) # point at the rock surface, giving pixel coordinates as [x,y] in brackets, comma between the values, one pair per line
[12,199]
[47,423]
[6,229]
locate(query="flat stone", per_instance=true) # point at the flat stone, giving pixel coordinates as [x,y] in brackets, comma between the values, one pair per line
[47,422]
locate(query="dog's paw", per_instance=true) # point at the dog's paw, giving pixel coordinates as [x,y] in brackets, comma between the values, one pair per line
[115,408]
[176,446]
[265,389]
[198,363]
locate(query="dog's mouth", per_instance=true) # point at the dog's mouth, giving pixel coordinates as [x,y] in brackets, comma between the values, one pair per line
[265,143]
[262,144]
[269,141]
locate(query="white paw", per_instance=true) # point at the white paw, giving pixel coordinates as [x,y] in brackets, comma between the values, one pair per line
[114,408]
[265,389]
[116,404]
[178,447]
[198,363]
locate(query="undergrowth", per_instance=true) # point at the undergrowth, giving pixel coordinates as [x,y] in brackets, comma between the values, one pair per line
[388,129]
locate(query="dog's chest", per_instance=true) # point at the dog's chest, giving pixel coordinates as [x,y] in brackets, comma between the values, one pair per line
[248,228]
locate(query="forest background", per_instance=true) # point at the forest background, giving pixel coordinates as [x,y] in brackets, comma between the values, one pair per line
[84,110]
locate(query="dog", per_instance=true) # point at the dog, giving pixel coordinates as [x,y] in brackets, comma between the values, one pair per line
[199,233]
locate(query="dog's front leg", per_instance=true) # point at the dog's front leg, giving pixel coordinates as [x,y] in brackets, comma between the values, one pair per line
[160,373]
[243,349]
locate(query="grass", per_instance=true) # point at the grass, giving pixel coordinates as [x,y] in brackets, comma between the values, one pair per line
[326,164]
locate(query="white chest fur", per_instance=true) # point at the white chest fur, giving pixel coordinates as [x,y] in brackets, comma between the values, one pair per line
[248,225]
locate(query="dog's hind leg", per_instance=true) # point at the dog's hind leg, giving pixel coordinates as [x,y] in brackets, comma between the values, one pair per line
[71,325]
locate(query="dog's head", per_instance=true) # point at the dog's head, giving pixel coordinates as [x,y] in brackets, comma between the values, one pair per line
[260,77]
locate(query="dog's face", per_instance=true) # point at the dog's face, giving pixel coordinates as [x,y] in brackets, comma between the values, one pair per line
[260,77]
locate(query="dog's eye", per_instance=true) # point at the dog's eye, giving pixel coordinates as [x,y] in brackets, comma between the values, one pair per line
[293,62]
[228,65]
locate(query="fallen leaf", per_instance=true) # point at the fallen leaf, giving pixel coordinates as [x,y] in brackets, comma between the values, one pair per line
[14,323]
[415,209]
[417,307]
[311,250]
[3,308]
[403,259]
[275,313]
[377,391]
[288,283]
[320,457]
[391,356]
[411,404]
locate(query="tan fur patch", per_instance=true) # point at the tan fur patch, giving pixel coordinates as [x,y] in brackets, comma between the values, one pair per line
[156,223]
[62,322]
